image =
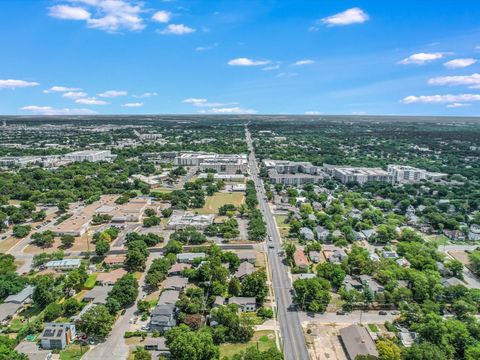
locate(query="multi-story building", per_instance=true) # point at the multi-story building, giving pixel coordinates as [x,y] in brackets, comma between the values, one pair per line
[292,172]
[57,335]
[228,164]
[90,155]
[402,173]
[361,175]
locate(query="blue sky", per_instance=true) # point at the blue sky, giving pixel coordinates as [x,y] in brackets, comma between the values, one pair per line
[225,56]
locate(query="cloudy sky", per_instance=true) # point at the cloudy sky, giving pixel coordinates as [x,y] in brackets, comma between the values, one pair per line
[242,56]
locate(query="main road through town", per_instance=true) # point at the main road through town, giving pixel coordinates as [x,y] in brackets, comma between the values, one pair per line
[294,346]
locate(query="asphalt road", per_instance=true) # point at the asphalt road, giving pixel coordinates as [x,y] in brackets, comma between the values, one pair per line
[294,346]
[354,317]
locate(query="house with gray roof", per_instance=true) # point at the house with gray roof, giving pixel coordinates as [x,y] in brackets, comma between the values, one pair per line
[8,311]
[175,283]
[169,297]
[371,284]
[189,258]
[307,234]
[22,297]
[244,270]
[244,303]
[162,318]
[357,341]
[157,345]
[57,335]
[315,256]
[322,233]
[98,295]
[247,256]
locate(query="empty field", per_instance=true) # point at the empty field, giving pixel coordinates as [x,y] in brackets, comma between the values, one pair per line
[213,203]
[263,339]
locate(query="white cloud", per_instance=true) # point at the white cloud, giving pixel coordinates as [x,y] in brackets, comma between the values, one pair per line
[421,58]
[66,12]
[13,84]
[286,75]
[270,68]
[133,105]
[304,62]
[441,99]
[459,63]
[228,110]
[113,93]
[457,105]
[472,81]
[351,16]
[247,62]
[48,110]
[60,89]
[205,48]
[176,29]
[109,15]
[146,95]
[198,102]
[162,16]
[91,101]
[313,113]
[74,94]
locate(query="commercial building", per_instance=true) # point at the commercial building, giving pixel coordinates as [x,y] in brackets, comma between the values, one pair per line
[90,155]
[78,223]
[406,174]
[221,163]
[357,341]
[224,177]
[361,175]
[181,220]
[57,335]
[65,264]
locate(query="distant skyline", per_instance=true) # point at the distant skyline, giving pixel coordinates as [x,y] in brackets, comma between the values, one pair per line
[86,57]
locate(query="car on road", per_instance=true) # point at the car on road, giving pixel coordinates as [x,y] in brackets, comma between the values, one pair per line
[271,246]
[382,312]
[395,312]
[269,238]
[340,312]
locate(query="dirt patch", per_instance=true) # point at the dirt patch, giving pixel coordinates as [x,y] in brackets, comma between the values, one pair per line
[461,256]
[324,343]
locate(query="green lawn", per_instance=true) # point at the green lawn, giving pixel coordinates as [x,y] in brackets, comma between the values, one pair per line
[251,318]
[283,227]
[264,339]
[213,203]
[73,352]
[90,282]
[373,328]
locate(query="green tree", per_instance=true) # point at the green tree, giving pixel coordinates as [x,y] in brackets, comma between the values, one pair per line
[67,241]
[388,350]
[312,294]
[255,285]
[141,354]
[96,322]
[185,344]
[102,247]
[332,272]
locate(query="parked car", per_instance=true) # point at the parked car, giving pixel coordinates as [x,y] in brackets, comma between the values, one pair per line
[382,312]
[340,312]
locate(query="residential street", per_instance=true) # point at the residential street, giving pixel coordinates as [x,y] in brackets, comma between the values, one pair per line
[114,347]
[294,345]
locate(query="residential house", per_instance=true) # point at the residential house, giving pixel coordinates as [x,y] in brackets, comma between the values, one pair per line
[247,256]
[219,301]
[300,259]
[177,283]
[190,258]
[57,335]
[315,256]
[22,297]
[307,234]
[110,278]
[177,269]
[389,254]
[322,233]
[357,341]
[306,276]
[371,284]
[474,233]
[169,297]
[98,295]
[244,270]
[336,255]
[112,260]
[352,284]
[453,281]
[245,304]
[158,345]
[403,262]
[162,317]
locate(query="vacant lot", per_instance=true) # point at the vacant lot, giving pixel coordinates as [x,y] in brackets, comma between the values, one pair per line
[461,256]
[7,244]
[213,203]
[283,227]
[324,343]
[263,339]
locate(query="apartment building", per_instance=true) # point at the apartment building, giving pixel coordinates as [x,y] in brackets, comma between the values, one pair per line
[361,175]
[406,174]
[221,163]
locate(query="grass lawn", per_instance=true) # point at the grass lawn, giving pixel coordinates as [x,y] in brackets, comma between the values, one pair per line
[265,340]
[16,324]
[251,318]
[437,239]
[373,328]
[213,203]
[8,243]
[90,282]
[283,227]
[72,352]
